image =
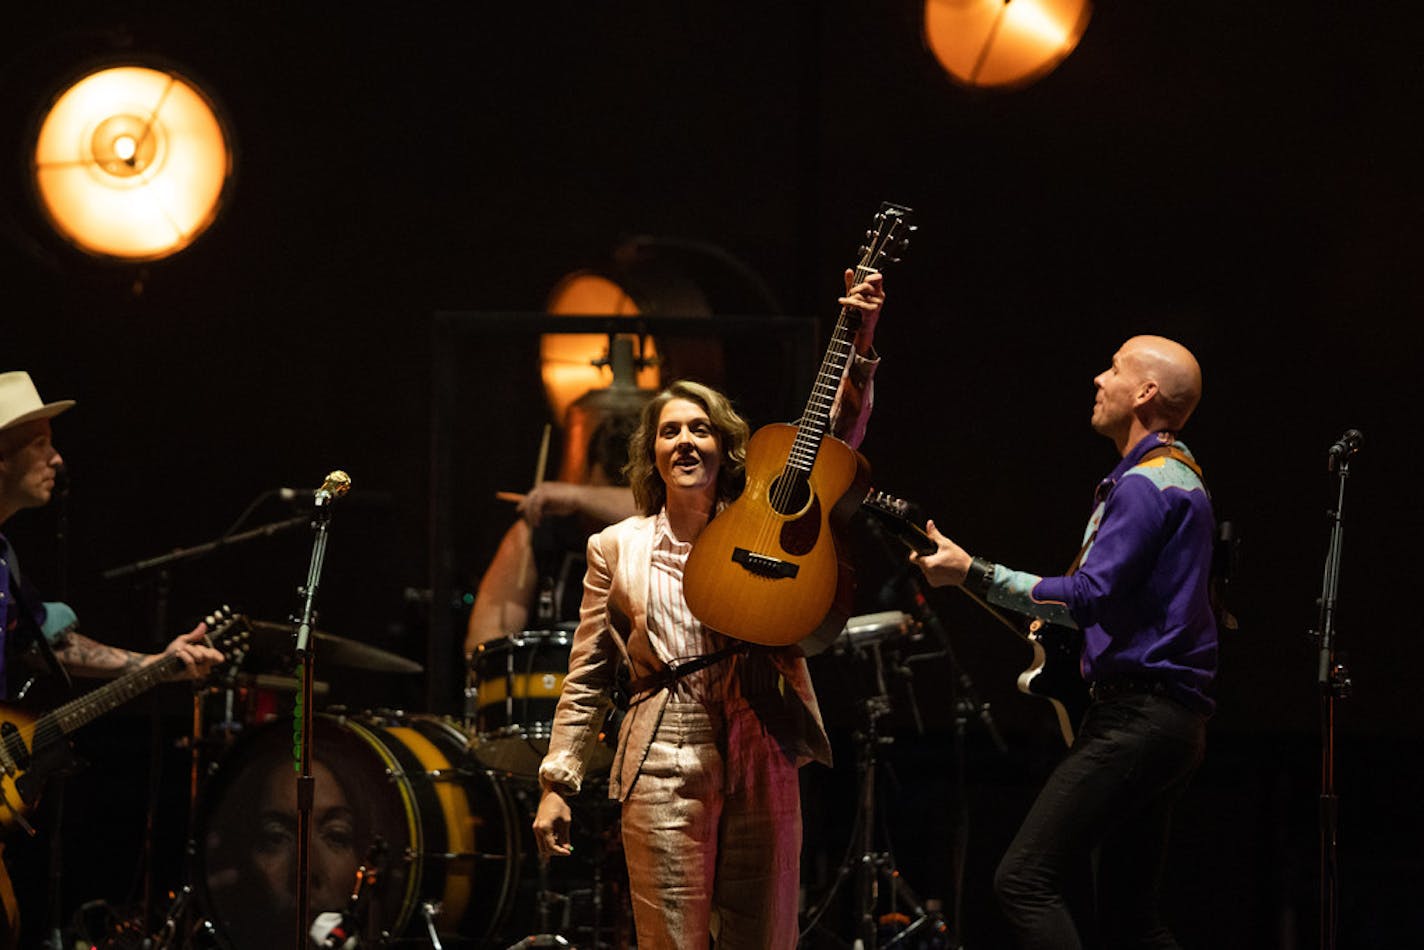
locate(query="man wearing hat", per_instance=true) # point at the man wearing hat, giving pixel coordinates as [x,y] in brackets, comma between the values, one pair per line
[28,466]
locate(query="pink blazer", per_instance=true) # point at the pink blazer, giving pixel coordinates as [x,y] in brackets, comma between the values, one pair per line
[613,629]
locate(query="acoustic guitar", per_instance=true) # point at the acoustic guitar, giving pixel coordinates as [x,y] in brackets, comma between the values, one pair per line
[769,568]
[35,748]
[1053,672]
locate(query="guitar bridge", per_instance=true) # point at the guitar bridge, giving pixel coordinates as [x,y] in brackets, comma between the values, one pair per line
[764,565]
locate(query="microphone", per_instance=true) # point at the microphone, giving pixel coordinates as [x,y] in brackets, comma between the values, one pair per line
[337,484]
[1346,446]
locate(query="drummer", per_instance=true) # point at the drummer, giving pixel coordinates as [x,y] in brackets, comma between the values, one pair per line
[537,572]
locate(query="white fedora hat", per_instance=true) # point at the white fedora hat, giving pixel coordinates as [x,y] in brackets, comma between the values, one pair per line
[20,401]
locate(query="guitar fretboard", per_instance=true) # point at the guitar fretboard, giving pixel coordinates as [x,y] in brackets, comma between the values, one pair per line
[815,419]
[85,709]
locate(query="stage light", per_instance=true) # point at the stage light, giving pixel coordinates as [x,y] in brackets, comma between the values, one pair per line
[571,364]
[1003,43]
[131,163]
[590,376]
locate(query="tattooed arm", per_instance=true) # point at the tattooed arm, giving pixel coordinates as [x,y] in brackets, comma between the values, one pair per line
[82,656]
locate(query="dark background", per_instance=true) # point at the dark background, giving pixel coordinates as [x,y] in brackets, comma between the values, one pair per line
[1242,177]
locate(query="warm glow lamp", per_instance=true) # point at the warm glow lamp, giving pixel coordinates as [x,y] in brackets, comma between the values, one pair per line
[1003,43]
[131,163]
[568,360]
[586,375]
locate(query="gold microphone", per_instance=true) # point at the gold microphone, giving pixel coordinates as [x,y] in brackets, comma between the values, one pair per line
[337,484]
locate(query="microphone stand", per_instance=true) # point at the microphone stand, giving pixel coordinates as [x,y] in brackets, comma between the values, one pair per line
[159,567]
[1333,680]
[336,484]
[197,550]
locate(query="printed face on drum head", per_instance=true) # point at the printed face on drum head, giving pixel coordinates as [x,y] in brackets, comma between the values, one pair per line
[333,841]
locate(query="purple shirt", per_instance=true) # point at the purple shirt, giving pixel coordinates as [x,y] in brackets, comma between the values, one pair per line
[1140,594]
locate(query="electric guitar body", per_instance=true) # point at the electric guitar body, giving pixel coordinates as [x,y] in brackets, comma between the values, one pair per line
[35,748]
[769,568]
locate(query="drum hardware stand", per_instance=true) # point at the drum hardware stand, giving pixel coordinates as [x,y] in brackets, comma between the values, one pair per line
[336,484]
[1333,680]
[967,705]
[878,868]
[873,869]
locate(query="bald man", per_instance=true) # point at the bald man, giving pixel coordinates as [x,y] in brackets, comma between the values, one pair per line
[1139,593]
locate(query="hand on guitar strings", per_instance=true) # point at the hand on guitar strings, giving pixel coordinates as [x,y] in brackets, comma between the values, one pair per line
[947,566]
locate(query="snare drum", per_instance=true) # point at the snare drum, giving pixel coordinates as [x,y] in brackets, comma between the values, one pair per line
[397,793]
[515,686]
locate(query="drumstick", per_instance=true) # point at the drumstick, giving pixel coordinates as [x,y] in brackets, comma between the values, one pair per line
[543,456]
[513,496]
[526,561]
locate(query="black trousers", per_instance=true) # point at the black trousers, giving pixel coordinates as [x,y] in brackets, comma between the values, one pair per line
[1111,797]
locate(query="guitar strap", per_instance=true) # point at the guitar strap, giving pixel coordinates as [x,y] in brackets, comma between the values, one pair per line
[1173,452]
[1168,451]
[661,679]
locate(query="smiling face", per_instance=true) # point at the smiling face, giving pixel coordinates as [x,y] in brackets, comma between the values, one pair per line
[687,449]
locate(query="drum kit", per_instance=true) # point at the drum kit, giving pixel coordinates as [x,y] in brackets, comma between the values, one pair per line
[420,825]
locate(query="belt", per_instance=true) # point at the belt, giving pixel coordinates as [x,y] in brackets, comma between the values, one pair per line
[1128,686]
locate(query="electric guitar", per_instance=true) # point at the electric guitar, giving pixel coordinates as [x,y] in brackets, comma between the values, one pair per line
[1053,674]
[34,748]
[768,568]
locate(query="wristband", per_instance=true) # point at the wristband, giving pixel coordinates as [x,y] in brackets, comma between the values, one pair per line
[980,575]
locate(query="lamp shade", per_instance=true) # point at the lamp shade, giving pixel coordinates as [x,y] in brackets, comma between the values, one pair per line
[131,163]
[1003,43]
[569,360]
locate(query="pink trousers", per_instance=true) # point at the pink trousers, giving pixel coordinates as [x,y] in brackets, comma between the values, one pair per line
[712,834]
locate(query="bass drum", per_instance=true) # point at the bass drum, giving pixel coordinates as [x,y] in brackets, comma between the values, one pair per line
[395,793]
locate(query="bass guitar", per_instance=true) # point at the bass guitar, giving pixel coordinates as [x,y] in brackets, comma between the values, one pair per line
[1053,674]
[34,748]
[768,568]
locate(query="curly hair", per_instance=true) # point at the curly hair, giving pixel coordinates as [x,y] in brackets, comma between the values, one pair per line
[649,492]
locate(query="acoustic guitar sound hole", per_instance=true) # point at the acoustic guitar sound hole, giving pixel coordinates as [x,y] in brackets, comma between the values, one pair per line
[789,494]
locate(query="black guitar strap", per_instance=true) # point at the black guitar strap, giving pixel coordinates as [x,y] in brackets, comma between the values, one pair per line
[661,679]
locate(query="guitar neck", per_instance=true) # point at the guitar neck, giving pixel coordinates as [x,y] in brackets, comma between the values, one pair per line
[815,420]
[91,705]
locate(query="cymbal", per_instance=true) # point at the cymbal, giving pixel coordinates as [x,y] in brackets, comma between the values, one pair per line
[272,649]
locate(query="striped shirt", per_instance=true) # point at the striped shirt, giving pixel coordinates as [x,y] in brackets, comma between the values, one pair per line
[677,636]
